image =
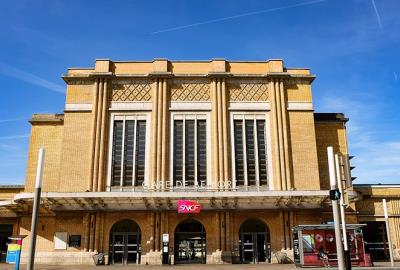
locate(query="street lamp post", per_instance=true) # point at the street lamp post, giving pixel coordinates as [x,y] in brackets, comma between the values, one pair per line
[388,231]
[35,210]
[342,215]
[335,208]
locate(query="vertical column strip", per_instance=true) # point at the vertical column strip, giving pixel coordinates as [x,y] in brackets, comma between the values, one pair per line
[101,246]
[103,138]
[153,228]
[274,115]
[214,135]
[225,133]
[92,231]
[228,231]
[164,132]
[280,136]
[97,233]
[98,130]
[87,232]
[93,137]
[220,131]
[159,130]
[284,229]
[285,136]
[153,166]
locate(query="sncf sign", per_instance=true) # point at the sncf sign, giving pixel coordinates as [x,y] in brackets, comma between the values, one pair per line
[188,207]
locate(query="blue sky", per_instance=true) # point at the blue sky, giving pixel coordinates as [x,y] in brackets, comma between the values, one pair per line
[351,45]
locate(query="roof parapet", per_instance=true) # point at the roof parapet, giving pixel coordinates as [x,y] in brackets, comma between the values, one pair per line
[57,118]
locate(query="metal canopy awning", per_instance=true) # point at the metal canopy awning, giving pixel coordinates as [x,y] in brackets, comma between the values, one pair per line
[168,200]
[325,227]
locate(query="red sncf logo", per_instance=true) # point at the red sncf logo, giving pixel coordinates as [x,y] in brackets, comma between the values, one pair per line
[186,206]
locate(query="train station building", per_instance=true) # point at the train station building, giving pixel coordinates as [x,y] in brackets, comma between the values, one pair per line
[221,159]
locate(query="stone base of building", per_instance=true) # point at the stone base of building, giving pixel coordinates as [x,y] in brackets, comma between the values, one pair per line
[396,254]
[61,258]
[151,258]
[219,257]
[282,256]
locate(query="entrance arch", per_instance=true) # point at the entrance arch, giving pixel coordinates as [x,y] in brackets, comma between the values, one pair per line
[125,242]
[190,242]
[254,242]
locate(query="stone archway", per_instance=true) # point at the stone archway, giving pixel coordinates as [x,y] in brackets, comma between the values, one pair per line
[190,242]
[254,242]
[125,238]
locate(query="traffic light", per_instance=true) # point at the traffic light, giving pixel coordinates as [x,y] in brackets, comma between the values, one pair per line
[334,194]
[347,170]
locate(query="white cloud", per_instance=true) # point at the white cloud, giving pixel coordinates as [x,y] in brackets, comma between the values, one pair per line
[377,159]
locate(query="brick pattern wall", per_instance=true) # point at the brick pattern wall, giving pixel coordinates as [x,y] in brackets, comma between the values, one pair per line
[329,134]
[80,91]
[75,152]
[304,151]
[51,138]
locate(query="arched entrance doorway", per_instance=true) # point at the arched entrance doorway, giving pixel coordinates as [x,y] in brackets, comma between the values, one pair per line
[125,243]
[254,242]
[190,242]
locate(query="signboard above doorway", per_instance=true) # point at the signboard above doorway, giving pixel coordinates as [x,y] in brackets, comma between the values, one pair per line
[188,207]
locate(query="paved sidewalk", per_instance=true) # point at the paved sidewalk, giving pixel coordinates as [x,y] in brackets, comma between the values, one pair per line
[190,267]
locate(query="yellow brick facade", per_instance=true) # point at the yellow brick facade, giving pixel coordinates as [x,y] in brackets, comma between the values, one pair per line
[82,201]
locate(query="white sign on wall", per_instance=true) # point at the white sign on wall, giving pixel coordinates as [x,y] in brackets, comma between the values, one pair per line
[165,237]
[60,240]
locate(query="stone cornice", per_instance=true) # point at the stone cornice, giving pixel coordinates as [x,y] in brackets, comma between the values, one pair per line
[282,75]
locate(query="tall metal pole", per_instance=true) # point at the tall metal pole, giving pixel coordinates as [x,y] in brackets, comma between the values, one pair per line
[342,215]
[388,231]
[35,210]
[335,209]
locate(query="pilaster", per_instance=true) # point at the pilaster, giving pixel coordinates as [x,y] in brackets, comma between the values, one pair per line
[279,127]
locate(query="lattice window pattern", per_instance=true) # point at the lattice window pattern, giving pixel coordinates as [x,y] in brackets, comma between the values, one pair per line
[132,90]
[248,90]
[190,90]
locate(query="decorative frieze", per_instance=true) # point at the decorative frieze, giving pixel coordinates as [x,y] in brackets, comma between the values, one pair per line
[131,90]
[80,82]
[248,90]
[190,90]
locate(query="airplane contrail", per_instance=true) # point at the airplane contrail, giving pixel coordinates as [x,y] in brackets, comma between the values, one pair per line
[22,75]
[13,119]
[238,16]
[378,17]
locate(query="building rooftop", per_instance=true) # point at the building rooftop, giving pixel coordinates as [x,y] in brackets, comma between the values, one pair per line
[12,186]
[330,117]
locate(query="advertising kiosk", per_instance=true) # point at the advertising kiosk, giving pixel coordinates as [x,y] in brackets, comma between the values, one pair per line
[14,250]
[314,245]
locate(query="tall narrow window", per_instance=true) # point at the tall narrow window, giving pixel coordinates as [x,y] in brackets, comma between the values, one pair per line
[128,153]
[140,153]
[117,153]
[178,151]
[250,155]
[239,158]
[262,156]
[189,152]
[201,151]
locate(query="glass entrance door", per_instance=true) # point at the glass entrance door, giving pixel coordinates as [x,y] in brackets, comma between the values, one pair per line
[190,249]
[190,243]
[247,247]
[125,248]
[254,244]
[253,248]
[118,249]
